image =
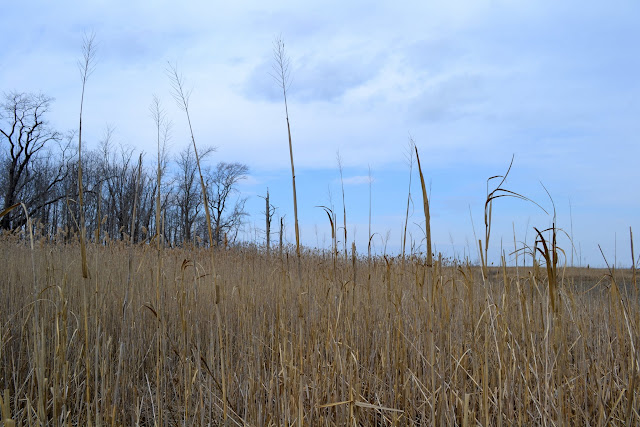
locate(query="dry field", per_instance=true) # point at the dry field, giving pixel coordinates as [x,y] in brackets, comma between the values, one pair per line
[147,341]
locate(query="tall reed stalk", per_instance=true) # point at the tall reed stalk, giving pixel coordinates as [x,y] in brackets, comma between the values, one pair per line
[633,263]
[369,235]
[182,99]
[86,66]
[344,205]
[126,319]
[267,217]
[406,218]
[282,75]
[162,129]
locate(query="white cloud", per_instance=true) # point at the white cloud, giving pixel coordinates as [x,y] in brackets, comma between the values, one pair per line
[473,82]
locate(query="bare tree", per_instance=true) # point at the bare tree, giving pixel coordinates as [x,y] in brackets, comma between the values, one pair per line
[188,199]
[105,146]
[269,212]
[163,134]
[226,216]
[25,134]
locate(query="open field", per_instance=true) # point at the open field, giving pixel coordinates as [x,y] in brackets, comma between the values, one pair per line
[380,343]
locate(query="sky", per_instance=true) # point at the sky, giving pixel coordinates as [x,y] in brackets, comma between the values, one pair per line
[553,85]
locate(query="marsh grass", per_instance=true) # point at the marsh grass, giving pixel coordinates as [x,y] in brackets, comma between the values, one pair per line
[440,346]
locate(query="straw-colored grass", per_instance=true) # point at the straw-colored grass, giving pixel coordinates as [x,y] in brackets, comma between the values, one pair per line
[435,346]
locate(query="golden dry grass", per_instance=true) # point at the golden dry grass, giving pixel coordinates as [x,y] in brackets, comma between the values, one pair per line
[392,345]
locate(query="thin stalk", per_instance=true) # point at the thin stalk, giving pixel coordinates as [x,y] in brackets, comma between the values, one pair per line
[86,66]
[344,206]
[98,214]
[369,235]
[633,262]
[160,120]
[282,73]
[573,248]
[182,98]
[267,223]
[406,219]
[369,243]
[125,325]
[282,77]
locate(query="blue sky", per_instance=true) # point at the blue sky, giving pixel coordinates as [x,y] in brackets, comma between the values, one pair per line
[474,82]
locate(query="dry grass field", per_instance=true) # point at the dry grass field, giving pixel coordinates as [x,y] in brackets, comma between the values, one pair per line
[145,340]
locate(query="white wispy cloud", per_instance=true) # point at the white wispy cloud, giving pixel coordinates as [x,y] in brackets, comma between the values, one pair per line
[472,81]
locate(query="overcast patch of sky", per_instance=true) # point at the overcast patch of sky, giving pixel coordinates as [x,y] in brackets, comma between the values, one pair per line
[473,82]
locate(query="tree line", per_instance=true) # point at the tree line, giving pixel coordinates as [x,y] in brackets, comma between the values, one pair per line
[39,167]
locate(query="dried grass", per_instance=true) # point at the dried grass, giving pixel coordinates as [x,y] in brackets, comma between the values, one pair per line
[443,347]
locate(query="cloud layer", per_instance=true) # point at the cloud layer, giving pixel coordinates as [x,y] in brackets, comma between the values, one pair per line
[556,84]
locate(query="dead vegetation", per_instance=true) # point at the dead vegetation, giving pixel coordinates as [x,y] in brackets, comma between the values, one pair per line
[381,343]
